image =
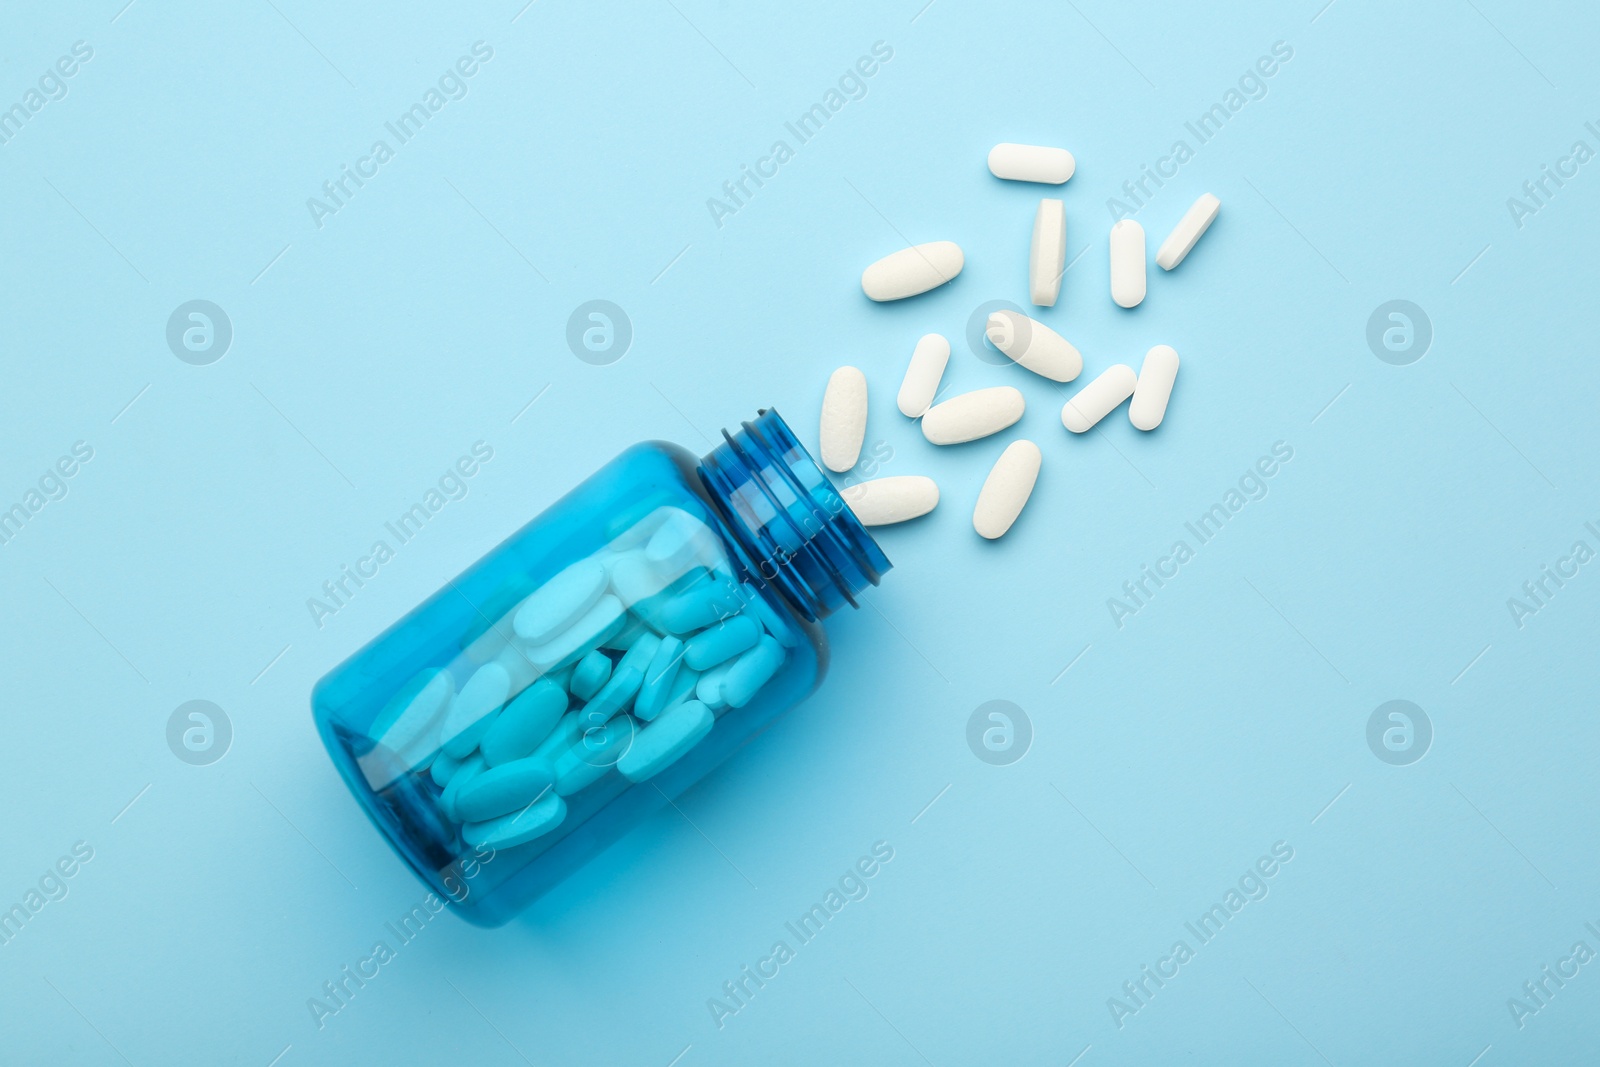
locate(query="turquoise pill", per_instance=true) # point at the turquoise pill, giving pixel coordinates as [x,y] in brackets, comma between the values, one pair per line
[751,671]
[640,652]
[632,629]
[683,688]
[443,769]
[561,677]
[596,752]
[770,621]
[504,789]
[470,768]
[518,827]
[659,678]
[615,696]
[563,737]
[664,741]
[708,690]
[475,708]
[722,642]
[591,673]
[700,605]
[523,723]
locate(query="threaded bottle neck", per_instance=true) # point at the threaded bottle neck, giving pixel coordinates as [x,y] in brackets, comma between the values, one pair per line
[791,524]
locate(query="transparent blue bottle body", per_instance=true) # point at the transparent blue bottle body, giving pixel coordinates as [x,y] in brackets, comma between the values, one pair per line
[750,539]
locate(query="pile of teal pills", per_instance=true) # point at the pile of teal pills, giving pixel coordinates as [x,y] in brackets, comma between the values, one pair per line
[623,659]
[597,663]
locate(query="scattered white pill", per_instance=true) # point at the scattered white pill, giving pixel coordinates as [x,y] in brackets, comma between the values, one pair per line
[912,270]
[883,501]
[1097,399]
[922,375]
[1201,214]
[1031,163]
[1047,256]
[973,415]
[1150,396]
[1127,263]
[1006,489]
[1034,346]
[844,419]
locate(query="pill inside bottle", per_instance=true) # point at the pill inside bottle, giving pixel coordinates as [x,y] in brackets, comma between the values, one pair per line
[596,664]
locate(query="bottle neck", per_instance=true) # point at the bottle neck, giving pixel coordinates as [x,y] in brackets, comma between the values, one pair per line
[790,523]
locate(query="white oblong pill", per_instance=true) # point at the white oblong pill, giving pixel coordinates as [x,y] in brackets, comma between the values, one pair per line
[598,625]
[844,419]
[973,415]
[1097,399]
[883,501]
[1201,214]
[1034,346]
[1031,163]
[922,375]
[1006,489]
[1150,396]
[1047,256]
[1127,263]
[560,602]
[475,709]
[912,270]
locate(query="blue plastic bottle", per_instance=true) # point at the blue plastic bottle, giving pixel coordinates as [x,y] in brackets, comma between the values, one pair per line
[600,661]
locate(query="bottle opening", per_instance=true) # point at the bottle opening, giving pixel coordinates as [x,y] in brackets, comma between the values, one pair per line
[794,529]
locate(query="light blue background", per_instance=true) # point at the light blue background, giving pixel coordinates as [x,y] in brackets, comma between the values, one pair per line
[1228,714]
